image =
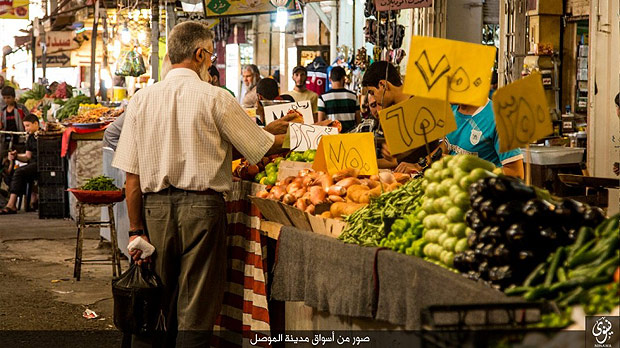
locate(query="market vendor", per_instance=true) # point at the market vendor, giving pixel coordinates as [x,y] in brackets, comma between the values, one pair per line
[180,159]
[11,119]
[383,81]
[476,133]
[300,92]
[25,174]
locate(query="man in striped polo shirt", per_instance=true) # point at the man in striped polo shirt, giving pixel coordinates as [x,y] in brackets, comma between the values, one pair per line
[339,103]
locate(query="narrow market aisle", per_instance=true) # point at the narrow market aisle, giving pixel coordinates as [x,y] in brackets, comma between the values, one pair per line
[38,291]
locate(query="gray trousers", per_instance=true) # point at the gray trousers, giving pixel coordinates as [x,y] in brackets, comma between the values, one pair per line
[188,231]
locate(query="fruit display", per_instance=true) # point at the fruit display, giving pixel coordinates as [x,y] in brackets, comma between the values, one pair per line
[446,201]
[368,226]
[264,172]
[36,93]
[339,195]
[301,156]
[406,235]
[515,230]
[63,91]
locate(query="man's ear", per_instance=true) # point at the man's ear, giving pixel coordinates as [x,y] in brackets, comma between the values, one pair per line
[199,55]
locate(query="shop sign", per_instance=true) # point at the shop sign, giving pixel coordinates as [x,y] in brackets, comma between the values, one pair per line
[456,71]
[342,151]
[304,137]
[14,9]
[57,60]
[414,122]
[387,5]
[58,41]
[218,8]
[521,113]
[277,111]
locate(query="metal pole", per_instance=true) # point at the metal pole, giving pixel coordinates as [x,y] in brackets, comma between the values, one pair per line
[104,64]
[333,33]
[93,54]
[33,50]
[270,41]
[155,41]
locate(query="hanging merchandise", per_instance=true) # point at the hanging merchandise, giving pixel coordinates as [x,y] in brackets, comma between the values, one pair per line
[132,64]
[222,30]
[317,75]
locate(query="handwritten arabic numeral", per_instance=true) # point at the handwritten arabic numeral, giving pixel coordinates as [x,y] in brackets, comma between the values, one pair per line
[336,157]
[307,131]
[399,115]
[526,123]
[424,122]
[298,136]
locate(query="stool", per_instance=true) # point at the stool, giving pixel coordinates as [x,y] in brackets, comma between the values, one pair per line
[82,224]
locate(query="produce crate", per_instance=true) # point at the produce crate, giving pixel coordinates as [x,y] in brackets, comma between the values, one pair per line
[52,194]
[58,210]
[51,177]
[49,149]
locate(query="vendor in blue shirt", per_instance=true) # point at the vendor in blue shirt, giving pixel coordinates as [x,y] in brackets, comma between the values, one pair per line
[476,134]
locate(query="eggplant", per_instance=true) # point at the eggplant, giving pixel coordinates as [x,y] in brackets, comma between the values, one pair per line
[476,201]
[478,251]
[487,251]
[518,190]
[460,263]
[484,236]
[471,259]
[593,216]
[496,233]
[515,234]
[470,216]
[483,270]
[487,211]
[476,189]
[501,276]
[574,207]
[473,275]
[548,235]
[526,256]
[472,240]
[501,254]
[510,212]
[538,212]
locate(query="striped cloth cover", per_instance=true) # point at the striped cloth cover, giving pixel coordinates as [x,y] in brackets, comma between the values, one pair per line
[244,312]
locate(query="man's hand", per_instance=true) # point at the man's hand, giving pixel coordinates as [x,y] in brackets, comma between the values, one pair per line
[386,153]
[408,168]
[280,126]
[136,253]
[12,155]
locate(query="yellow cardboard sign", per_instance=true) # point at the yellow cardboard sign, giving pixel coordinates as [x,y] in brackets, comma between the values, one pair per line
[406,124]
[457,71]
[521,113]
[342,151]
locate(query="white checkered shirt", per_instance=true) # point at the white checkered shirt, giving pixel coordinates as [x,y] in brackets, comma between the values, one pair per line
[180,132]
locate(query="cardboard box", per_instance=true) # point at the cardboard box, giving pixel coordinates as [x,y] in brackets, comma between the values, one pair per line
[291,168]
[272,210]
[328,227]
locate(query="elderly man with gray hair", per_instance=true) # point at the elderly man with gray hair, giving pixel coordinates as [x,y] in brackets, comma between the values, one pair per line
[176,148]
[251,77]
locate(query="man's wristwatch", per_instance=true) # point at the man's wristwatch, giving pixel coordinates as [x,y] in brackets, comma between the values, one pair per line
[136,233]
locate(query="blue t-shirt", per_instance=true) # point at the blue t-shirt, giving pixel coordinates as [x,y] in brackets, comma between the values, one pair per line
[477,135]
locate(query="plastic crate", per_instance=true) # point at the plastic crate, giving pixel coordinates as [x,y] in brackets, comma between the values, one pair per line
[49,144]
[51,162]
[51,177]
[52,194]
[53,210]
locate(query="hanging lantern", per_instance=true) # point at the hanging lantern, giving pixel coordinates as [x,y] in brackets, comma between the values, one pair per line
[282,13]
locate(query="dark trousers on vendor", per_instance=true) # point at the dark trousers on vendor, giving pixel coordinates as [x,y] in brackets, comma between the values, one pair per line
[188,231]
[21,177]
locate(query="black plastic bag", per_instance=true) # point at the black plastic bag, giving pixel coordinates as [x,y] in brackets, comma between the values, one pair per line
[137,301]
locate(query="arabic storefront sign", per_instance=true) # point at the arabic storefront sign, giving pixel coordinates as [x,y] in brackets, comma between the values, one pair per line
[14,9]
[217,8]
[386,5]
[58,41]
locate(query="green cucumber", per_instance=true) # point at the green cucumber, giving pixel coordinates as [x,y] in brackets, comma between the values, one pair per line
[572,297]
[536,273]
[536,293]
[561,274]
[517,290]
[555,263]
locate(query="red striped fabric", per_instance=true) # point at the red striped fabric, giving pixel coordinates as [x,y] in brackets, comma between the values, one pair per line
[243,314]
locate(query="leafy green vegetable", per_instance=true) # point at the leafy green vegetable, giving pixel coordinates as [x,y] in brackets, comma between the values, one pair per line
[100,183]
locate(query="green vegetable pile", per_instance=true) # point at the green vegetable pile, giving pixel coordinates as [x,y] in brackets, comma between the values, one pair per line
[580,273]
[71,107]
[100,183]
[367,226]
[406,235]
[446,201]
[298,156]
[37,92]
[269,176]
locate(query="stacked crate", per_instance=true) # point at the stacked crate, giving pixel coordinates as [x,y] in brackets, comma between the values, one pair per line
[53,200]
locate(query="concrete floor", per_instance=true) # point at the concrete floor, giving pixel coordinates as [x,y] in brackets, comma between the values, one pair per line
[38,291]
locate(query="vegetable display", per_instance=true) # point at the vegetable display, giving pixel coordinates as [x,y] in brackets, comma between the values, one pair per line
[302,156]
[264,172]
[36,93]
[71,107]
[100,183]
[515,231]
[367,226]
[446,201]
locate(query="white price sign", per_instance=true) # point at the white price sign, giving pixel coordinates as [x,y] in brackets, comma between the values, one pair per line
[307,137]
[275,112]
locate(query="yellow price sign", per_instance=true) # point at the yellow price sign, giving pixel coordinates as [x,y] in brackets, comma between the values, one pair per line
[412,123]
[521,113]
[342,151]
[457,71]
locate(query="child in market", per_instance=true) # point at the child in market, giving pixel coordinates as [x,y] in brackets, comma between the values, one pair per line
[23,175]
